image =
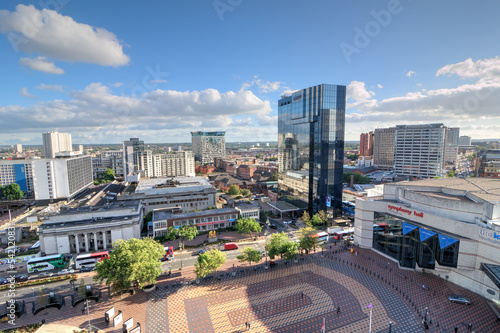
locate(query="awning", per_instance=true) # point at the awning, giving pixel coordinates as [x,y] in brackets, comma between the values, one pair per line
[493,272]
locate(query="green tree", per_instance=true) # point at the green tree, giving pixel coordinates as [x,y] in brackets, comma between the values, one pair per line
[186,233]
[245,192]
[82,288]
[280,245]
[131,261]
[263,216]
[12,192]
[171,234]
[316,220]
[358,178]
[109,175]
[306,241]
[233,190]
[250,255]
[246,225]
[307,219]
[352,157]
[450,174]
[209,262]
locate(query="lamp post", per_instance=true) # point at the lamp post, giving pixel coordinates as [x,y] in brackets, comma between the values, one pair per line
[33,291]
[390,327]
[425,316]
[88,312]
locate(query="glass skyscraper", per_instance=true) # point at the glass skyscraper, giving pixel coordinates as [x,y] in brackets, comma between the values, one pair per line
[311,147]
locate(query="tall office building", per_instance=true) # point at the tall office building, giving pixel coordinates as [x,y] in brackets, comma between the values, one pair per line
[311,147]
[19,148]
[366,144]
[451,147]
[419,150]
[54,142]
[383,147]
[207,145]
[131,149]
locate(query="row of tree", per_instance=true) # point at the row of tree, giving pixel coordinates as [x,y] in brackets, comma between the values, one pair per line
[317,219]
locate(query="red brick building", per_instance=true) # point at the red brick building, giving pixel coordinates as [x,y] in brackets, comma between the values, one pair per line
[246,171]
[366,144]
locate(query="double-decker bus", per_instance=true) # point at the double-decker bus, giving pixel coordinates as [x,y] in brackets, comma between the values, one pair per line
[322,237]
[90,259]
[169,253]
[36,265]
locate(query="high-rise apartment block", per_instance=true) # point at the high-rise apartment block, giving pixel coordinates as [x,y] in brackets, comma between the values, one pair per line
[48,179]
[207,145]
[451,147]
[131,151]
[419,150]
[54,142]
[366,144]
[383,147]
[19,148]
[311,147]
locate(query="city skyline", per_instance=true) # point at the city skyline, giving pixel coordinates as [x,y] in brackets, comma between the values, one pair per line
[182,68]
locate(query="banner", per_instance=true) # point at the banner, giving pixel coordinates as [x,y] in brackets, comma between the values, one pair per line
[407,228]
[328,201]
[445,241]
[425,234]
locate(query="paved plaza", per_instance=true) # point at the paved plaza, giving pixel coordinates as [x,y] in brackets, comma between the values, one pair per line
[296,297]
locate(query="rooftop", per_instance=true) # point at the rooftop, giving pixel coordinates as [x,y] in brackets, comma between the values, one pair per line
[163,215]
[175,184]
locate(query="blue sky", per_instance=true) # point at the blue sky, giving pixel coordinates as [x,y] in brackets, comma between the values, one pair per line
[105,71]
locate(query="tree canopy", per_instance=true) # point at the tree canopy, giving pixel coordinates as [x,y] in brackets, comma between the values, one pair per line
[245,225]
[131,261]
[233,190]
[306,242]
[307,219]
[209,262]
[358,178]
[187,233]
[250,255]
[11,192]
[281,245]
[245,192]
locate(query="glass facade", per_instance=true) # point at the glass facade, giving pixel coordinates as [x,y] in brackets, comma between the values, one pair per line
[413,245]
[311,147]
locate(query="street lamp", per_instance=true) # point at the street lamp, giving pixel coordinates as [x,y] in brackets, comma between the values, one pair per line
[390,327]
[425,316]
[33,290]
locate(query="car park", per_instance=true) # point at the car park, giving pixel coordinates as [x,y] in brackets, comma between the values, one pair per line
[459,299]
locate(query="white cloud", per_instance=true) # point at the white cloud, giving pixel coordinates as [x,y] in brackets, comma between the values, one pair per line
[41,64]
[116,84]
[411,73]
[52,87]
[171,113]
[264,86]
[53,35]
[24,93]
[379,86]
[356,90]
[470,69]
[419,84]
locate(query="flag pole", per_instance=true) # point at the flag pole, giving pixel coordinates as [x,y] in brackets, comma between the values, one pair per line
[370,330]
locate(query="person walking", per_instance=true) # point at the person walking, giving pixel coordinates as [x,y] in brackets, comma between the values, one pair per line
[470,327]
[302,295]
[338,309]
[246,324]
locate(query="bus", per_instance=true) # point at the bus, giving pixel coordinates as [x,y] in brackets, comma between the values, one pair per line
[90,259]
[169,253]
[338,235]
[322,237]
[36,265]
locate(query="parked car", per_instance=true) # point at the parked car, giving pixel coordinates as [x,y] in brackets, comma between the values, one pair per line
[87,269]
[273,226]
[201,251]
[287,222]
[66,271]
[459,299]
[4,281]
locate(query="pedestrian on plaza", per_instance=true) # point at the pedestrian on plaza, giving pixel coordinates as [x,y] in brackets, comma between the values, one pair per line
[83,310]
[470,326]
[338,309]
[456,329]
[302,295]
[498,318]
[246,324]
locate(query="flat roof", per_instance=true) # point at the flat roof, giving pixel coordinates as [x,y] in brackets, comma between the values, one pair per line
[282,206]
[171,185]
[159,215]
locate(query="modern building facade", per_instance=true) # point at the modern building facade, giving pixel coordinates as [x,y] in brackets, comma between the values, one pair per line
[451,147]
[174,164]
[489,164]
[19,148]
[89,229]
[311,147]
[383,147]
[419,150]
[208,145]
[366,144]
[449,227]
[54,142]
[48,179]
[464,141]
